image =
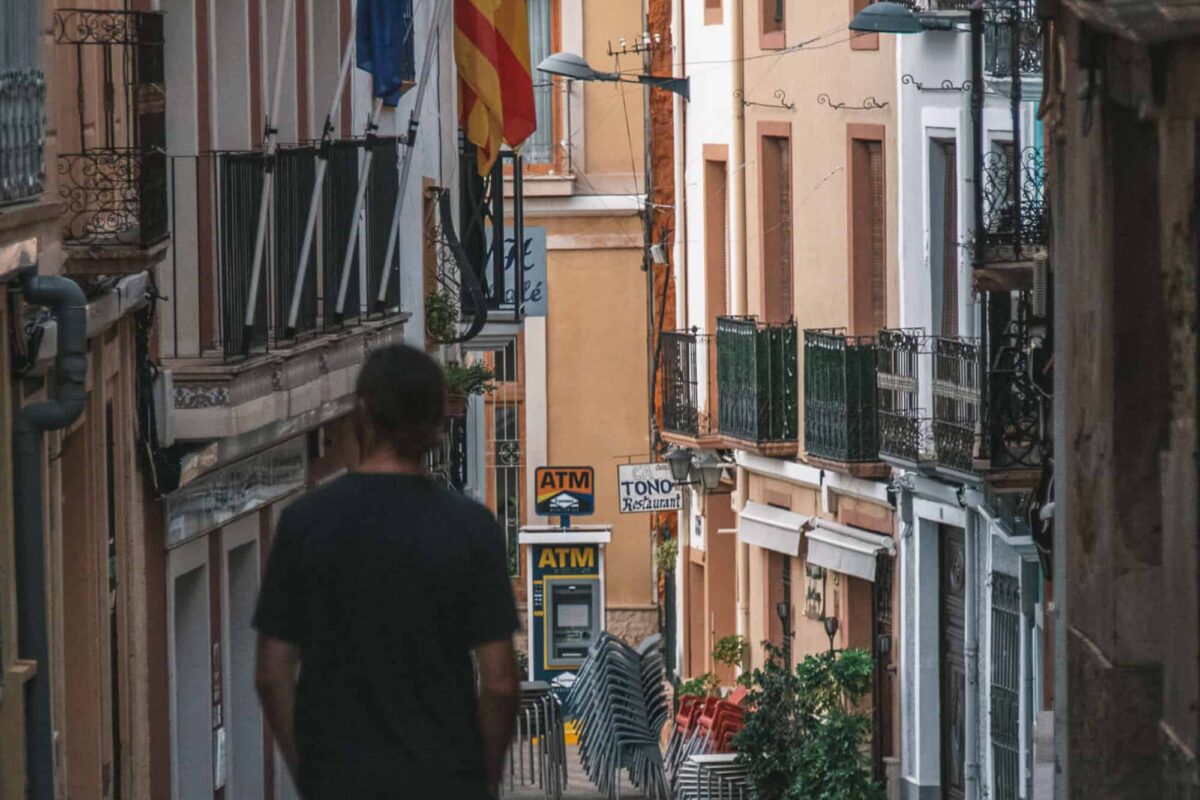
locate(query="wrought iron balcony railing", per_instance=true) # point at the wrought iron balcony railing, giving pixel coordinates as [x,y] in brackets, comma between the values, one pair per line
[840,402]
[116,188]
[680,383]
[22,132]
[757,382]
[956,400]
[1017,411]
[1012,35]
[905,432]
[114,197]
[1015,225]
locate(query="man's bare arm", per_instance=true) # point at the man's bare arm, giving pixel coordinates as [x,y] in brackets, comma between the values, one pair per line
[275,679]
[498,700]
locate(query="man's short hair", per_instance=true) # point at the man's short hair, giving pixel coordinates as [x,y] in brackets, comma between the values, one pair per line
[403,396]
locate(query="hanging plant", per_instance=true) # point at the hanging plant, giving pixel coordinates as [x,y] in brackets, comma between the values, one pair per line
[441,316]
[462,382]
[665,555]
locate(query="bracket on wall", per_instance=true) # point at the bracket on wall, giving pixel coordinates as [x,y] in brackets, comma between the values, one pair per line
[780,95]
[868,104]
[946,85]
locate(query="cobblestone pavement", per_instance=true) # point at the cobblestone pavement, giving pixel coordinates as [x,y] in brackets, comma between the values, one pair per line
[578,785]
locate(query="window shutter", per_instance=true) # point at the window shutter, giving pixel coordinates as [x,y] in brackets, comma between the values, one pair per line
[950,243]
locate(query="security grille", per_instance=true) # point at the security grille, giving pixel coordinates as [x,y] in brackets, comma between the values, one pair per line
[1006,673]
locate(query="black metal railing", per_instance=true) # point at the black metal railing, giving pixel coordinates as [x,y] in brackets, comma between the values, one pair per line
[956,396]
[683,411]
[948,5]
[1015,224]
[1017,411]
[382,195]
[116,188]
[484,209]
[22,132]
[295,176]
[756,380]
[238,182]
[905,433]
[840,396]
[1012,34]
[337,218]
[114,197]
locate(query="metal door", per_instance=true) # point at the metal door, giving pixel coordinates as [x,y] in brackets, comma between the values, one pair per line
[952,578]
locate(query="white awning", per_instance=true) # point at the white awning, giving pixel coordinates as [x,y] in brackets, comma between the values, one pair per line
[772,528]
[845,549]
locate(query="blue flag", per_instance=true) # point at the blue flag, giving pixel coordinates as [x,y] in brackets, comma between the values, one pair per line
[384,40]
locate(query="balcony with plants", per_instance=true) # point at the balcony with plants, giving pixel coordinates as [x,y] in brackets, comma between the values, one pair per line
[757,386]
[841,428]
[689,389]
[115,188]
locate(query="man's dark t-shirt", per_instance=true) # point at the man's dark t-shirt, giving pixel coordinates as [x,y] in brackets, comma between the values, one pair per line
[385,583]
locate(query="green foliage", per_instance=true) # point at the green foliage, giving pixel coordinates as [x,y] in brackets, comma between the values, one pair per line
[699,686]
[805,737]
[522,664]
[475,379]
[441,316]
[730,650]
[665,555]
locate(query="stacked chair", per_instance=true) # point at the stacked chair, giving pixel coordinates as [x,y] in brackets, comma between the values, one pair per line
[712,776]
[538,755]
[704,728]
[620,704]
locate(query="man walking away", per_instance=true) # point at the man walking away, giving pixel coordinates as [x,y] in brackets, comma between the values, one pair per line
[378,589]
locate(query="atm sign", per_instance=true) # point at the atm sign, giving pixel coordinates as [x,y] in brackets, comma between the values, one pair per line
[565,491]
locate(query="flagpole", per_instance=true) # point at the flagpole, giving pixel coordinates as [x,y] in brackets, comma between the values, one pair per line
[410,141]
[264,205]
[314,203]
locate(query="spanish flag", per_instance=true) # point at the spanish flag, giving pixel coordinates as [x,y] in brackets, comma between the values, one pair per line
[495,80]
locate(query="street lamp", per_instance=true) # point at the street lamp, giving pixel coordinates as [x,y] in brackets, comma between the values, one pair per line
[703,470]
[569,65]
[681,464]
[831,629]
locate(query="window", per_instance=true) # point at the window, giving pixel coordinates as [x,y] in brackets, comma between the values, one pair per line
[772,35]
[539,148]
[716,240]
[943,237]
[22,162]
[713,12]
[862,41]
[868,232]
[776,214]
[504,363]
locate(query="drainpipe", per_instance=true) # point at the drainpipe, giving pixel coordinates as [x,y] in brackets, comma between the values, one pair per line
[971,652]
[742,561]
[66,300]
[737,163]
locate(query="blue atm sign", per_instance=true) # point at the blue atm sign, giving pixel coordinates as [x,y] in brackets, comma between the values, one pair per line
[565,491]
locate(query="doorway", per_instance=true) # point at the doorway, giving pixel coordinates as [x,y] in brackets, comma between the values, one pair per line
[190,636]
[244,720]
[952,578]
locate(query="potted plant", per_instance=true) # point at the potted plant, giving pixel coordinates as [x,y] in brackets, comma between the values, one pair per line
[462,382]
[441,316]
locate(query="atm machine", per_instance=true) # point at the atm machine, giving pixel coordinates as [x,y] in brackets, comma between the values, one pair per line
[565,569]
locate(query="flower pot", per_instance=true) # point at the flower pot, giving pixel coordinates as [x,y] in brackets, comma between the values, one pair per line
[455,405]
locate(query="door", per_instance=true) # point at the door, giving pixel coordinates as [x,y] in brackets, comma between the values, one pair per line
[190,636]
[952,578]
[243,716]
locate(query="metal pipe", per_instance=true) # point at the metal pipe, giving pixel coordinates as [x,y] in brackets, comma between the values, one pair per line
[314,203]
[65,405]
[264,204]
[410,143]
[971,654]
[737,166]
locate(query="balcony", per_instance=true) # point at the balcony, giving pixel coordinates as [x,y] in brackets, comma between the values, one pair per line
[1015,229]
[840,402]
[905,432]
[757,386]
[116,187]
[689,393]
[956,402]
[1012,36]
[22,131]
[243,358]
[482,288]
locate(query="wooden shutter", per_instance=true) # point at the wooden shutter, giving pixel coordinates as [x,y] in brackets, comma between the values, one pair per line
[776,215]
[878,238]
[950,242]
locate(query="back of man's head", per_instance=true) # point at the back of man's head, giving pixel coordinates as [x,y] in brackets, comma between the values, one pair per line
[401,399]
